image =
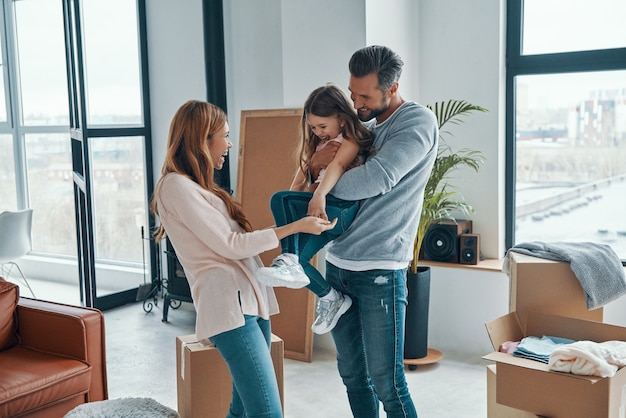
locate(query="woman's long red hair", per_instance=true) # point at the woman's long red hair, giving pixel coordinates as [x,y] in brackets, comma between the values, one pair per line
[192,126]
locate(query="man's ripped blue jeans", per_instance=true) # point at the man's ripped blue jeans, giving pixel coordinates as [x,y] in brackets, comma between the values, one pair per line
[369,339]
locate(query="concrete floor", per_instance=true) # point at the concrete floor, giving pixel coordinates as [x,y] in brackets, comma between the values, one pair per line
[141,362]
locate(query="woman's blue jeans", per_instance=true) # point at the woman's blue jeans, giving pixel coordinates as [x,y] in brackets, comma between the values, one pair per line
[288,206]
[369,339]
[247,354]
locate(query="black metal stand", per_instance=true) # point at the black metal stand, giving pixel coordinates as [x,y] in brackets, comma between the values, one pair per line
[175,286]
[149,293]
[151,299]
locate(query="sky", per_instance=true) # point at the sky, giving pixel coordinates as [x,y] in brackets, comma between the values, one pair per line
[573,25]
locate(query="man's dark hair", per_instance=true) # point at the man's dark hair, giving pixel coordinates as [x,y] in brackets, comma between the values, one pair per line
[380,60]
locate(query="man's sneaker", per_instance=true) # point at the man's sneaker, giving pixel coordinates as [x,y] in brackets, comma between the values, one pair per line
[328,313]
[284,271]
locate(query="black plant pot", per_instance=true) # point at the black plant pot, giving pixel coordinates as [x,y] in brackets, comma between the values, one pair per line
[416,329]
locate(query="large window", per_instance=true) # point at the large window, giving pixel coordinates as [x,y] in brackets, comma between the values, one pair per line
[114,101]
[36,169]
[566,84]
[36,163]
[112,63]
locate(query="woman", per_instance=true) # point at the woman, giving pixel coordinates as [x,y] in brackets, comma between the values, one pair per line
[219,251]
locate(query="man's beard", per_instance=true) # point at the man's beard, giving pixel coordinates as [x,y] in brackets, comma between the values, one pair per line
[373,113]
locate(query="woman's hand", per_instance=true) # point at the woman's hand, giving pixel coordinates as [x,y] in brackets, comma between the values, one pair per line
[308,224]
[314,225]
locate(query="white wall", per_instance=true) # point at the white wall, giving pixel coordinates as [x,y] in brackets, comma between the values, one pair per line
[462,57]
[318,39]
[176,64]
[254,63]
[461,302]
[402,16]
[277,51]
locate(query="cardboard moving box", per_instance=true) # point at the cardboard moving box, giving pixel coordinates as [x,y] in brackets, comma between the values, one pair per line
[494,409]
[203,381]
[530,386]
[541,285]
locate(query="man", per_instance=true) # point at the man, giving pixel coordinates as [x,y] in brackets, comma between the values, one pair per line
[369,261]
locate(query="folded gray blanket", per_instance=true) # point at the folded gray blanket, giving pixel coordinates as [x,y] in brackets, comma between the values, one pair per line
[596,266]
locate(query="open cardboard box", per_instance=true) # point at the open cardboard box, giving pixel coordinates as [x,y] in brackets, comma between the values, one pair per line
[494,409]
[530,385]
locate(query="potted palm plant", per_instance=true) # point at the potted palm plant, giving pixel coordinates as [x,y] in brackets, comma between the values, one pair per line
[440,200]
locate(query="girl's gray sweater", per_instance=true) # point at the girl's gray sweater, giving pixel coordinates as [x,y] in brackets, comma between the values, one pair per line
[390,186]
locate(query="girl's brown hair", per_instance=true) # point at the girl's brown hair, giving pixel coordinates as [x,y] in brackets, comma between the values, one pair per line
[328,101]
[193,124]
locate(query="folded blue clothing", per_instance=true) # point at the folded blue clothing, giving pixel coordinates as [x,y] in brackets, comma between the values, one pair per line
[539,349]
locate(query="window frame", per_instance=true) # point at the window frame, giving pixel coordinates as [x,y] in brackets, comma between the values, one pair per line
[518,64]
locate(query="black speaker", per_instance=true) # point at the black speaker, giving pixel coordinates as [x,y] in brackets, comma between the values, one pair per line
[441,241]
[469,248]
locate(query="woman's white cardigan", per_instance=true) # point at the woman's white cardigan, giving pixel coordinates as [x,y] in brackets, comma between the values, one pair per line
[218,257]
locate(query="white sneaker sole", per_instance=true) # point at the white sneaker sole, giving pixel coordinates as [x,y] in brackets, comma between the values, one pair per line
[266,276]
[347,302]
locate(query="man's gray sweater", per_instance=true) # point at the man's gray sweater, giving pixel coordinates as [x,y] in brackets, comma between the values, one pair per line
[390,186]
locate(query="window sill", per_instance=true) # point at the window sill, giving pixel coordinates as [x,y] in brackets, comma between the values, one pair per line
[488,264]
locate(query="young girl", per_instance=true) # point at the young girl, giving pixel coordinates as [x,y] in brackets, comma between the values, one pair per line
[327,117]
[219,253]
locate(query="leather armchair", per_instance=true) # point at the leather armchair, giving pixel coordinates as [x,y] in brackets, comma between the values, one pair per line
[58,362]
